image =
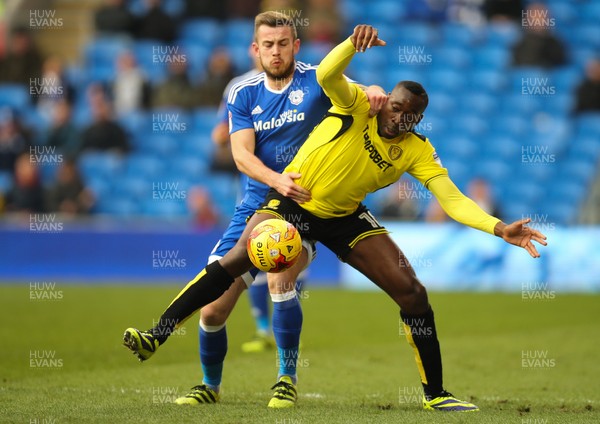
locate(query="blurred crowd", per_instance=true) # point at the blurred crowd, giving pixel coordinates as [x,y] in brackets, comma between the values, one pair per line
[54,95]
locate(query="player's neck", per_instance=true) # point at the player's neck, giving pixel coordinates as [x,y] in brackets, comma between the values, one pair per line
[278,84]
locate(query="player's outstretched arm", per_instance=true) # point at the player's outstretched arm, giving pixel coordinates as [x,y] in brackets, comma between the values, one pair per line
[330,72]
[521,235]
[464,210]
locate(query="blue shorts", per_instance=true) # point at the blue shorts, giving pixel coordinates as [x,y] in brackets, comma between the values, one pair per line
[234,231]
[232,234]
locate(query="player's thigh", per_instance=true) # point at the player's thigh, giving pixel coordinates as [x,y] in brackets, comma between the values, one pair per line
[285,281]
[217,312]
[382,261]
[236,261]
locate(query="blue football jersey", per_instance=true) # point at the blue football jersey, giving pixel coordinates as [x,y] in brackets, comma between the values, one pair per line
[281,119]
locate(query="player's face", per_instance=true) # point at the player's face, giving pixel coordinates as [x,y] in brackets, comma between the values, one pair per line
[402,112]
[275,49]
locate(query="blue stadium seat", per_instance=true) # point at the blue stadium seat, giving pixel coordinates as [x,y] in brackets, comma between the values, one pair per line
[135,122]
[204,119]
[470,126]
[100,187]
[577,170]
[413,34]
[440,103]
[515,102]
[488,80]
[502,146]
[14,96]
[6,181]
[192,168]
[102,52]
[144,165]
[202,31]
[494,170]
[564,11]
[197,56]
[565,78]
[120,207]
[197,144]
[449,57]
[458,35]
[132,187]
[589,12]
[588,34]
[388,11]
[105,165]
[586,146]
[165,208]
[588,124]
[449,81]
[151,59]
[239,33]
[313,53]
[159,144]
[491,58]
[242,62]
[480,103]
[502,34]
[510,123]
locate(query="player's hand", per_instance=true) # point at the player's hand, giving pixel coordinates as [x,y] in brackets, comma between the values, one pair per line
[286,186]
[521,235]
[364,37]
[377,98]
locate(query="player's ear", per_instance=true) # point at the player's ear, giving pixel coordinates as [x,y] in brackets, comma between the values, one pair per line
[296,46]
[254,49]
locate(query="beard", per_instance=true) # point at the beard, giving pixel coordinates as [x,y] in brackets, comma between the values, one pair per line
[281,74]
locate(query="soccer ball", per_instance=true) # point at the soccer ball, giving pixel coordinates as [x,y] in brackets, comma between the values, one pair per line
[274,245]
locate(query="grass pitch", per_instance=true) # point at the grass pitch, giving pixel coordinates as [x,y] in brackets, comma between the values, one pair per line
[521,361]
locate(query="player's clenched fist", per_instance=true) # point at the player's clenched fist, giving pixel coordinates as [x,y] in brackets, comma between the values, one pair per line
[364,37]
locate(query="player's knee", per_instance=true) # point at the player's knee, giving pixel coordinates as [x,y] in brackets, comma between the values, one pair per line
[414,295]
[213,315]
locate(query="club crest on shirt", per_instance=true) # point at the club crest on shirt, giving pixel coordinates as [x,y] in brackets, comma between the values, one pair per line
[395,152]
[273,204]
[296,97]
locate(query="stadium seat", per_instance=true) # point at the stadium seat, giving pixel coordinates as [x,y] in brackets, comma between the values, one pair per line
[565,79]
[14,96]
[387,11]
[449,57]
[197,144]
[469,126]
[104,165]
[480,103]
[413,34]
[590,12]
[313,53]
[239,33]
[491,58]
[102,52]
[502,34]
[201,31]
[458,35]
[588,124]
[488,80]
[145,51]
[119,207]
[6,181]
[588,34]
[165,209]
[159,144]
[449,81]
[144,165]
[132,187]
[192,168]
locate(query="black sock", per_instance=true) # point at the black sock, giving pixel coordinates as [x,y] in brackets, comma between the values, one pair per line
[205,288]
[422,336]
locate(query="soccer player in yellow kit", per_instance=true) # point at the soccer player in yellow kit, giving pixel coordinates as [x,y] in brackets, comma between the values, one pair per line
[348,155]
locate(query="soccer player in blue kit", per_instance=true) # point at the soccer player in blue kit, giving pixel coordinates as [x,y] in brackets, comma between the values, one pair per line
[270,116]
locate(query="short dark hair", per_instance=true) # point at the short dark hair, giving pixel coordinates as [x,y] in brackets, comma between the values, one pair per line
[416,89]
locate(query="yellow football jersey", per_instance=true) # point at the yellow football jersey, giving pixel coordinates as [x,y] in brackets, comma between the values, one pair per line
[344,159]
